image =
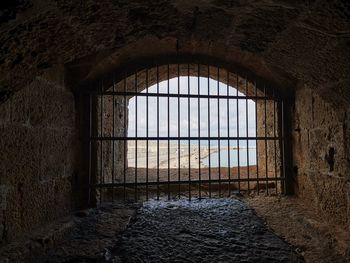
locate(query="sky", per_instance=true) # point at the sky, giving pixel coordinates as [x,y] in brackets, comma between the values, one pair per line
[196,128]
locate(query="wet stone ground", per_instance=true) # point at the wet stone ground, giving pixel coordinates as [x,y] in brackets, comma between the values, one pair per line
[213,230]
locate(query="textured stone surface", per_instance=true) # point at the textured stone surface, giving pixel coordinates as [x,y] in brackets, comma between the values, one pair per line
[290,43]
[321,156]
[85,236]
[292,219]
[34,247]
[217,230]
[93,235]
[280,40]
[37,156]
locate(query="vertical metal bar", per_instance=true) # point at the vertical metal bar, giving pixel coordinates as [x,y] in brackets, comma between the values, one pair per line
[287,147]
[178,129]
[281,143]
[247,133]
[125,139]
[101,143]
[219,130]
[113,141]
[209,142]
[266,160]
[136,141]
[168,134]
[189,131]
[90,151]
[228,133]
[199,135]
[157,132]
[147,140]
[283,148]
[274,140]
[238,141]
[256,140]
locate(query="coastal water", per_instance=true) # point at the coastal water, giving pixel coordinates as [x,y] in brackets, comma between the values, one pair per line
[244,156]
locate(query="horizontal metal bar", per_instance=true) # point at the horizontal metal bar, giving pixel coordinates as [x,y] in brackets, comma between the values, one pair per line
[177,95]
[107,185]
[111,138]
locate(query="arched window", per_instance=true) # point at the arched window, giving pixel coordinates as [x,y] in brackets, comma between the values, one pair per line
[185,130]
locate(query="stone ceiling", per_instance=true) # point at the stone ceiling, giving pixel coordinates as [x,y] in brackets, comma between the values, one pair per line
[289,42]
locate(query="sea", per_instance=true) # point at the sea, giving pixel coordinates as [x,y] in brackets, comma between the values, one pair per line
[221,158]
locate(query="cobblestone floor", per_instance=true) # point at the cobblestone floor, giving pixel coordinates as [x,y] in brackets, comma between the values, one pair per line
[213,230]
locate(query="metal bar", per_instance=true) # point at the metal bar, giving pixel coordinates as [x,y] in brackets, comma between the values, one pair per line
[219,130]
[113,142]
[277,134]
[287,149]
[243,138]
[125,142]
[189,132]
[256,141]
[178,129]
[238,142]
[209,141]
[158,132]
[174,95]
[101,143]
[281,142]
[274,142]
[199,135]
[168,134]
[228,133]
[247,132]
[90,149]
[283,147]
[136,148]
[186,182]
[147,135]
[266,160]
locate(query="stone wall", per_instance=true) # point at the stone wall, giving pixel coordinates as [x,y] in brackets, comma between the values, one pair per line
[109,169]
[37,131]
[286,42]
[269,151]
[321,146]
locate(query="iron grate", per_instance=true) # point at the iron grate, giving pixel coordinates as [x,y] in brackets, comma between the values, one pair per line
[142,127]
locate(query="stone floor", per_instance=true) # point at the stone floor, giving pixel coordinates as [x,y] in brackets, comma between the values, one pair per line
[196,230]
[93,235]
[289,217]
[213,230]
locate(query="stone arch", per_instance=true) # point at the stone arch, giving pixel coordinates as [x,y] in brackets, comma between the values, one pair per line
[295,44]
[109,71]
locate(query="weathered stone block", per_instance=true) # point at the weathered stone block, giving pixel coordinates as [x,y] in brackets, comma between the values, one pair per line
[37,156]
[33,204]
[5,113]
[20,153]
[321,155]
[58,154]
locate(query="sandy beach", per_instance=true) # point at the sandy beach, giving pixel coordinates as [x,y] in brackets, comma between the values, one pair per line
[170,178]
[190,155]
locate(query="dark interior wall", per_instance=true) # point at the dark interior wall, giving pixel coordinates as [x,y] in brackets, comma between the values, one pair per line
[290,43]
[37,131]
[321,156]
